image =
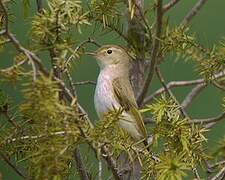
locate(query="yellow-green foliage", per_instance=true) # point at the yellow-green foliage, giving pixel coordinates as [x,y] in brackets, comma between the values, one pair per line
[49,127]
[105,10]
[182,142]
[57,20]
[209,61]
[50,131]
[14,73]
[107,132]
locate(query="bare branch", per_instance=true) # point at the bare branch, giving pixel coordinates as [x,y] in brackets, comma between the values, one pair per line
[5,158]
[31,56]
[10,119]
[209,122]
[192,13]
[57,133]
[149,120]
[71,84]
[6,18]
[194,93]
[39,5]
[171,85]
[195,171]
[198,88]
[219,175]
[2,32]
[80,165]
[99,169]
[154,53]
[89,40]
[111,162]
[217,164]
[169,5]
[85,83]
[218,85]
[169,92]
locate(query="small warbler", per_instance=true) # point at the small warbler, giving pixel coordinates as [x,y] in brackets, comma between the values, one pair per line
[113,89]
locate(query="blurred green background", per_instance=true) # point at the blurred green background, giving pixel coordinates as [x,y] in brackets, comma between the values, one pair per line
[209,26]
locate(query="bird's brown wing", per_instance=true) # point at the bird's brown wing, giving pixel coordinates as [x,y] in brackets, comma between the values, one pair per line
[125,97]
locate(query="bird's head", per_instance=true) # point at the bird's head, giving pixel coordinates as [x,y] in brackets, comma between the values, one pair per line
[111,55]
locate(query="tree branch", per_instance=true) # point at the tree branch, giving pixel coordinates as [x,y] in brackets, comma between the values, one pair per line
[169,5]
[80,165]
[194,93]
[89,40]
[84,83]
[39,5]
[10,119]
[6,20]
[208,122]
[111,163]
[193,12]
[195,171]
[154,53]
[2,32]
[169,92]
[171,85]
[217,164]
[219,175]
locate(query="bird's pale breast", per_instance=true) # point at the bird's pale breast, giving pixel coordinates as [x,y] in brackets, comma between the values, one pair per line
[105,100]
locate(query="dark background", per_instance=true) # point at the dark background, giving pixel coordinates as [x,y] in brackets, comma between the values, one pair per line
[208,25]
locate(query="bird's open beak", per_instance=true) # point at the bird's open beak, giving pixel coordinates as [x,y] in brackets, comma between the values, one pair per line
[90,53]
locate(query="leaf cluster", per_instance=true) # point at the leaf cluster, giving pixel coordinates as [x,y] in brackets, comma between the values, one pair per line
[49,131]
[208,61]
[182,143]
[107,132]
[57,20]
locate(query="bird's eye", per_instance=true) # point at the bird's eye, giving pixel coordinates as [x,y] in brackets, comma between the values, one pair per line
[109,51]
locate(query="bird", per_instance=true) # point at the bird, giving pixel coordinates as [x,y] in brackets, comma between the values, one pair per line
[114,91]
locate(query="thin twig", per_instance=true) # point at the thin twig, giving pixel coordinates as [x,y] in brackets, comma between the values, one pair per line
[208,121]
[217,85]
[191,14]
[2,32]
[5,16]
[57,133]
[169,5]
[174,84]
[14,66]
[10,119]
[219,174]
[99,169]
[80,165]
[89,40]
[171,85]
[194,92]
[169,92]
[217,164]
[5,158]
[154,53]
[39,5]
[71,84]
[111,163]
[84,83]
[195,171]
[27,53]
[142,16]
